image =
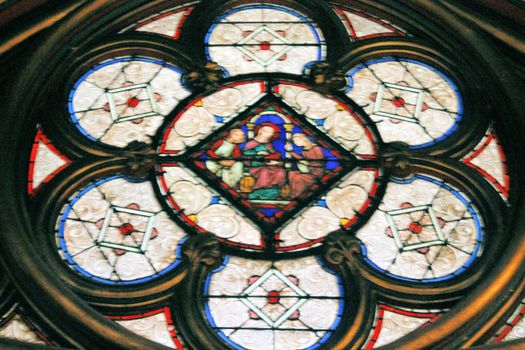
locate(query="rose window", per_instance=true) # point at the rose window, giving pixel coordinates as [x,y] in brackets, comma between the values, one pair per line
[263,175]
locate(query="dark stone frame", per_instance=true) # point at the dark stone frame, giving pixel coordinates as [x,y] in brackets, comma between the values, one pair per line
[498,292]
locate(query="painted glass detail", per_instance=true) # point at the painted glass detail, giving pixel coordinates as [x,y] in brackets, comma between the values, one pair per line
[125,99]
[208,113]
[362,26]
[393,323]
[409,101]
[270,161]
[14,324]
[424,230]
[339,208]
[204,210]
[489,160]
[114,231]
[45,162]
[332,116]
[252,155]
[168,23]
[289,304]
[154,325]
[264,38]
[514,327]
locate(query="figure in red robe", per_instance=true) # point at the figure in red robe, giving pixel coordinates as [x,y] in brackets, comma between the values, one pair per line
[310,165]
[223,155]
[266,168]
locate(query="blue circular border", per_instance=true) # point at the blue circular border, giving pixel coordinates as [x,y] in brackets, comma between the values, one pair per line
[321,340]
[315,29]
[475,251]
[459,114]
[71,109]
[84,273]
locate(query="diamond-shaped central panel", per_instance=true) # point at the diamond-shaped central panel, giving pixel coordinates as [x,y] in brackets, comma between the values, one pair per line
[399,102]
[126,229]
[264,45]
[273,298]
[131,102]
[415,227]
[267,162]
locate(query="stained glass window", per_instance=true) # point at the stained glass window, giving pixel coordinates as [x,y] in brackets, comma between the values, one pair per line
[114,231]
[424,102]
[265,175]
[273,305]
[265,38]
[125,99]
[433,231]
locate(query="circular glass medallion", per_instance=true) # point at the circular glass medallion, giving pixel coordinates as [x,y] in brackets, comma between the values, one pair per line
[289,304]
[125,99]
[409,101]
[264,38]
[114,231]
[424,230]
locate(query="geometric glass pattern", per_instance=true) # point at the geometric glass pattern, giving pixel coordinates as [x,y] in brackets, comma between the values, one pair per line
[243,169]
[409,101]
[120,225]
[362,26]
[168,23]
[424,230]
[264,38]
[105,238]
[273,297]
[381,105]
[280,42]
[489,160]
[273,305]
[45,162]
[415,240]
[134,94]
[125,99]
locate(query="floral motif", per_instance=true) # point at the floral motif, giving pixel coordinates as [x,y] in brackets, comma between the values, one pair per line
[264,38]
[125,99]
[107,236]
[422,102]
[250,303]
[423,230]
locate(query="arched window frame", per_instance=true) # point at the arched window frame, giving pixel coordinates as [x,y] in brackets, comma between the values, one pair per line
[509,115]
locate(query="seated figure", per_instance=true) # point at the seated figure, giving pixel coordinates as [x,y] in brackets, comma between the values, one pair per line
[310,165]
[266,168]
[225,152]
